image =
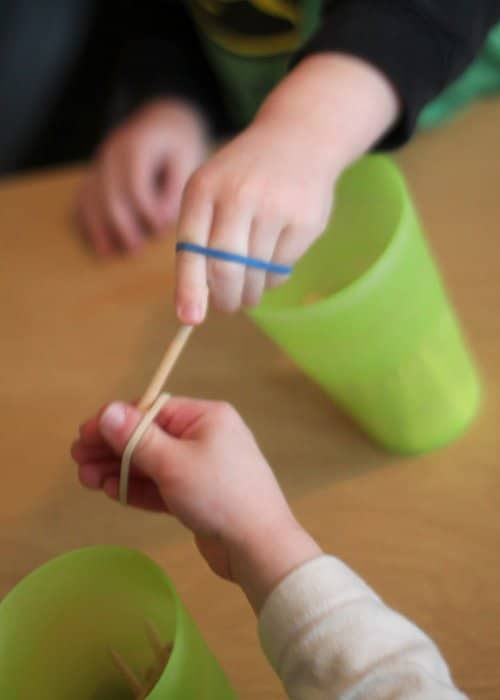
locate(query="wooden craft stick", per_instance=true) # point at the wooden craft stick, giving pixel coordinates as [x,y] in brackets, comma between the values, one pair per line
[128,675]
[157,645]
[165,367]
[162,654]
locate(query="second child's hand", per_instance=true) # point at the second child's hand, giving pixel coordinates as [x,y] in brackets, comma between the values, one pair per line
[201,464]
[268,193]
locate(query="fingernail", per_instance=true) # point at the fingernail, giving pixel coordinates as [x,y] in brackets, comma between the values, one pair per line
[190,313]
[112,419]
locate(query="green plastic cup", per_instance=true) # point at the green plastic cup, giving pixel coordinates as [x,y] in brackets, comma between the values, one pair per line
[366,316]
[56,627]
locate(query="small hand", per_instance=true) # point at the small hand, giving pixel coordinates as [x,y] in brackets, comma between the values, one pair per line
[267,194]
[200,463]
[135,184]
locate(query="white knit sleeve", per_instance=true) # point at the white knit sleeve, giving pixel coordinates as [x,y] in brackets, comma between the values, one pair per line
[328,635]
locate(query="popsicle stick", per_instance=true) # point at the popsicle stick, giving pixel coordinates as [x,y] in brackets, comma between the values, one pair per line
[128,675]
[161,652]
[153,678]
[165,367]
[155,640]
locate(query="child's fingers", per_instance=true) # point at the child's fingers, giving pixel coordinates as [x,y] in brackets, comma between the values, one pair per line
[139,183]
[181,417]
[175,174]
[230,232]
[91,221]
[82,453]
[90,434]
[295,239]
[93,476]
[99,458]
[117,206]
[123,223]
[141,493]
[255,282]
[291,244]
[156,453]
[263,239]
[191,273]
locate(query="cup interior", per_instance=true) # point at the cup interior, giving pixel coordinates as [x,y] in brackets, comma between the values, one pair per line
[367,211]
[57,625]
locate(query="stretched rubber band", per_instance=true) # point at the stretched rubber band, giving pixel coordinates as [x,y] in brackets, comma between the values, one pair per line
[135,439]
[233,257]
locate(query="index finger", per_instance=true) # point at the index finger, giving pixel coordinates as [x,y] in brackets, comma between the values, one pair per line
[191,291]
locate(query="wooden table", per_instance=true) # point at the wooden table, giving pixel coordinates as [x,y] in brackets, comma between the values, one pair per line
[75,332]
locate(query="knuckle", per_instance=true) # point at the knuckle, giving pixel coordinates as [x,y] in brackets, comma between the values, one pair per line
[227,305]
[200,184]
[242,193]
[251,299]
[224,413]
[272,206]
[223,272]
[310,228]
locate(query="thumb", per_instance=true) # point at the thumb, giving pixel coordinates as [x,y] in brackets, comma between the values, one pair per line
[117,424]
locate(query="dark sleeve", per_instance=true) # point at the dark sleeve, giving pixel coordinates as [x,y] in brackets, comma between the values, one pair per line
[162,56]
[421,45]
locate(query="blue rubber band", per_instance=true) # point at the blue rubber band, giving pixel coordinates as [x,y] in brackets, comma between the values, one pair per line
[233,257]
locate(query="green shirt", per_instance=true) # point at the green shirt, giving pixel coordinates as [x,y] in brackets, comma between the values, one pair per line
[250,44]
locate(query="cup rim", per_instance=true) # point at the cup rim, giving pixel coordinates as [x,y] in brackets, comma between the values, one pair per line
[357,284]
[146,560]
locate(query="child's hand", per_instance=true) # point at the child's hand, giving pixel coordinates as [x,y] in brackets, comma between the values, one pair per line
[136,181]
[200,463]
[267,194]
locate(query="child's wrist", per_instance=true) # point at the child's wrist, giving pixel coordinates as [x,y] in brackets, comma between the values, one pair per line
[342,105]
[268,554]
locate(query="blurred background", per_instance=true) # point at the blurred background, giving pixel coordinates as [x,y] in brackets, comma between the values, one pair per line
[57,58]
[71,69]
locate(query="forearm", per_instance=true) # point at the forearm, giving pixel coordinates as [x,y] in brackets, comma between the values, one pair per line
[329,636]
[324,631]
[338,104]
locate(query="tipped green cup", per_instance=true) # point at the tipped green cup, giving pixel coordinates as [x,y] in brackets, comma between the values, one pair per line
[57,625]
[366,316]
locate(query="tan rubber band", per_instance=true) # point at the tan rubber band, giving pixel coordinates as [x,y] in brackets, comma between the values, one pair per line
[135,439]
